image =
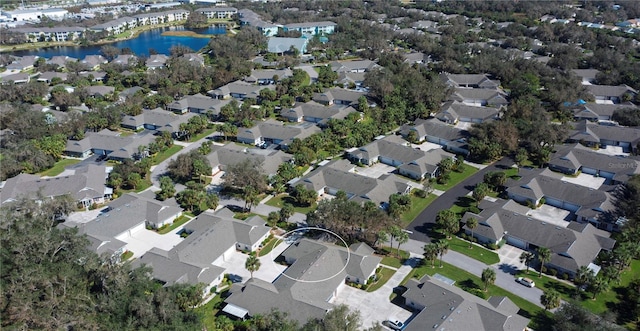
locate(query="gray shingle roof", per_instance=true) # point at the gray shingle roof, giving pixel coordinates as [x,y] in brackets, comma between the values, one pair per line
[474,80]
[435,128]
[574,246]
[593,132]
[231,154]
[171,271]
[609,90]
[593,111]
[338,94]
[282,45]
[121,147]
[450,308]
[575,156]
[452,111]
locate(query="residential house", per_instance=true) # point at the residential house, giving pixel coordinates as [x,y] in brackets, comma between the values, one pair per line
[282,45]
[250,18]
[453,112]
[593,134]
[480,97]
[481,81]
[93,62]
[194,58]
[196,103]
[48,76]
[416,58]
[129,92]
[212,238]
[22,63]
[61,33]
[611,94]
[588,76]
[267,76]
[100,90]
[94,76]
[393,151]
[108,143]
[438,132]
[219,12]
[598,111]
[426,25]
[17,78]
[353,66]
[156,119]
[315,113]
[338,176]
[442,306]
[574,246]
[230,154]
[311,28]
[176,15]
[126,60]
[338,96]
[350,79]
[574,158]
[86,186]
[156,61]
[323,269]
[272,132]
[538,186]
[239,90]
[61,60]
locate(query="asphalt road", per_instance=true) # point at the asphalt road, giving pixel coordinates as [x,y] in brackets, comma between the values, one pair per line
[426,221]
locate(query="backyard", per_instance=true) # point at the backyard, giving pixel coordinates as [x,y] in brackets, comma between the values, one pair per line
[178,222]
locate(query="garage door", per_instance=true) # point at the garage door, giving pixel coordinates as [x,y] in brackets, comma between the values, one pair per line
[589,171]
[606,174]
[516,242]
[553,202]
[386,160]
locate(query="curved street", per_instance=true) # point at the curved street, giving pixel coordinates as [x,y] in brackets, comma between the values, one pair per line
[426,220]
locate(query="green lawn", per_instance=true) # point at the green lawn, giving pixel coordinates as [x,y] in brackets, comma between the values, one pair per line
[462,204]
[479,253]
[472,283]
[178,222]
[202,134]
[455,178]
[126,255]
[417,206]
[383,277]
[307,80]
[58,167]
[166,154]
[209,311]
[391,261]
[243,216]
[280,200]
[269,246]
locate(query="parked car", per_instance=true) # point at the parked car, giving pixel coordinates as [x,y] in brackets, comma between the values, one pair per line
[526,282]
[394,325]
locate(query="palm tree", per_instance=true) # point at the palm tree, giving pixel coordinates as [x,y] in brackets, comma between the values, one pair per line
[394,232]
[544,256]
[472,223]
[448,221]
[252,264]
[550,299]
[402,238]
[527,258]
[443,248]
[584,276]
[598,286]
[431,253]
[488,277]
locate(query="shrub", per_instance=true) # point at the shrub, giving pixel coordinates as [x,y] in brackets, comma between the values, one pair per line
[553,272]
[492,246]
[213,289]
[473,209]
[420,193]
[93,206]
[544,269]
[542,201]
[565,276]
[184,234]
[477,292]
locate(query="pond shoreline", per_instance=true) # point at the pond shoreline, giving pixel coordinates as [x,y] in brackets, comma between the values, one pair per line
[131,35]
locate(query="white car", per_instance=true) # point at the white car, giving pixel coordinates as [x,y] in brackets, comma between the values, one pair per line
[394,325]
[526,282]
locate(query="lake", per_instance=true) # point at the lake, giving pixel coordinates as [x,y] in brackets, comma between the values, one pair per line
[139,45]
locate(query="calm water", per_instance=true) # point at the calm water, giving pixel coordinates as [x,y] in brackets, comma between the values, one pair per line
[139,45]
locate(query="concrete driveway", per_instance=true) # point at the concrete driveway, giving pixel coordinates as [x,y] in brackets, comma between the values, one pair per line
[587,180]
[144,240]
[375,306]
[375,171]
[551,215]
[510,256]
[426,146]
[268,271]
